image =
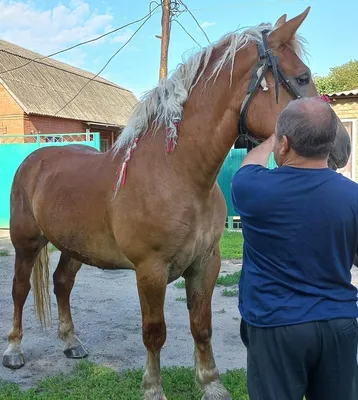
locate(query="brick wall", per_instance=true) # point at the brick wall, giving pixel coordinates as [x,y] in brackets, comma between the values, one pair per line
[44,124]
[347,108]
[11,115]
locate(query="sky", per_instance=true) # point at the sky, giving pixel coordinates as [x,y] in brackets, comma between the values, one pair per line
[47,26]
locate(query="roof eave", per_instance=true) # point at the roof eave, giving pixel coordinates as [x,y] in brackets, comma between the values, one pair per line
[11,93]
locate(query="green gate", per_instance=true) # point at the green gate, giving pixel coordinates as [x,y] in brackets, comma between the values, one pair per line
[231,165]
[14,149]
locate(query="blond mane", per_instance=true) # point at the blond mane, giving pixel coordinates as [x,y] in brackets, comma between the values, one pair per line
[164,104]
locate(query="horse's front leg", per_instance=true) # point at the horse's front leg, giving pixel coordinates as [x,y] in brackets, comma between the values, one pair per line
[152,279]
[200,281]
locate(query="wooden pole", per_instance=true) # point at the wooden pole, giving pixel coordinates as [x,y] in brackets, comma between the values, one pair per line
[163,71]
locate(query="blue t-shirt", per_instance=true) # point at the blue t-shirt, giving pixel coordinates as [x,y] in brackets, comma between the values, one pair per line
[301,233]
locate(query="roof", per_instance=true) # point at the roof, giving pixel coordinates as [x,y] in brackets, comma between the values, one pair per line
[44,86]
[353,92]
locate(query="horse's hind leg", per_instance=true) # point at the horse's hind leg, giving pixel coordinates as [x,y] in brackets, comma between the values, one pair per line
[200,281]
[64,279]
[27,251]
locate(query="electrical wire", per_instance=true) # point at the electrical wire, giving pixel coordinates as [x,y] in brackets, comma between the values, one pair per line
[149,14]
[196,21]
[109,60]
[175,20]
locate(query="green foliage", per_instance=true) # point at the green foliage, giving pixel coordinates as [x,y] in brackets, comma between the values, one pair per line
[340,78]
[91,382]
[4,253]
[231,245]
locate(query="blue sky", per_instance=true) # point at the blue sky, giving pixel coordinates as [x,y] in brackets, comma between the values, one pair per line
[46,26]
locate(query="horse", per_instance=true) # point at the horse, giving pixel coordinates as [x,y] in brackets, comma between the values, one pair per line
[152,203]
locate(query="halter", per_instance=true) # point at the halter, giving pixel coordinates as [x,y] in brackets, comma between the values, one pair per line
[267,61]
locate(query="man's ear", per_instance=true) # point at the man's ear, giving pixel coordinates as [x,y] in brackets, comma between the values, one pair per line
[284,145]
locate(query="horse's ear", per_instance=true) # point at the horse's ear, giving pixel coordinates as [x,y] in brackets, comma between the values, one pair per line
[286,30]
[281,21]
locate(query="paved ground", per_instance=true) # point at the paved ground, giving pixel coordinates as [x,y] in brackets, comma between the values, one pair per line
[106,314]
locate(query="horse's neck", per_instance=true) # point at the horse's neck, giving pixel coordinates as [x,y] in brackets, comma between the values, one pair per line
[206,137]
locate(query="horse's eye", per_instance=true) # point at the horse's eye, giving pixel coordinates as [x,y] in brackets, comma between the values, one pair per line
[303,79]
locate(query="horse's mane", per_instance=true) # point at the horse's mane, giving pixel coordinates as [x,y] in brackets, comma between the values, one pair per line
[164,104]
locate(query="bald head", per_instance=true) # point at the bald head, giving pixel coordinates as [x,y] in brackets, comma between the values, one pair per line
[310,126]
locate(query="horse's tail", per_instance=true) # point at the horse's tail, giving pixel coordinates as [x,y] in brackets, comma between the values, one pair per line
[41,286]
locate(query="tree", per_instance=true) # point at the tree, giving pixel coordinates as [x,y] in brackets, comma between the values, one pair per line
[339,79]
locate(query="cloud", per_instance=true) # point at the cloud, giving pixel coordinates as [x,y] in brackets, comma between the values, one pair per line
[123,36]
[207,24]
[50,30]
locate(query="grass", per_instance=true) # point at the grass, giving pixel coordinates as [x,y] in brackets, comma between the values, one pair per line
[180,298]
[231,245]
[180,284]
[91,382]
[229,279]
[4,253]
[52,248]
[230,293]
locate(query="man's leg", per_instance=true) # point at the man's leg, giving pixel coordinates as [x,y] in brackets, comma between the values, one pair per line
[278,360]
[336,374]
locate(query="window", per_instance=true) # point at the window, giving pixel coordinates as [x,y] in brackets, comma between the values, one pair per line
[350,169]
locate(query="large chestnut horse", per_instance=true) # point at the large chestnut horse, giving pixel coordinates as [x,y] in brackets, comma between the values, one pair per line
[152,203]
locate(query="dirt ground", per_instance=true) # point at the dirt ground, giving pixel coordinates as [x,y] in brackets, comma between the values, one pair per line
[106,313]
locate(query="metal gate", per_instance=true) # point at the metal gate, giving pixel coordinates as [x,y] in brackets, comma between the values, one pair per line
[14,149]
[232,163]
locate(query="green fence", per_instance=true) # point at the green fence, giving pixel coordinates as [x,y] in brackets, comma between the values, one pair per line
[14,149]
[231,165]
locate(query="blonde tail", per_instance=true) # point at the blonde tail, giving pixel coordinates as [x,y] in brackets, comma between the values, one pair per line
[41,286]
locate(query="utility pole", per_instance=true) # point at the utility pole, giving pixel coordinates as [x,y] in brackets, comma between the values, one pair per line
[163,71]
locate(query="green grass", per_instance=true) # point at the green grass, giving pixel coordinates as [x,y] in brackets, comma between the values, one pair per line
[180,298]
[180,284]
[91,382]
[4,253]
[229,279]
[231,245]
[230,293]
[52,248]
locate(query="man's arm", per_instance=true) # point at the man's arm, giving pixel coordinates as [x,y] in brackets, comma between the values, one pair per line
[261,154]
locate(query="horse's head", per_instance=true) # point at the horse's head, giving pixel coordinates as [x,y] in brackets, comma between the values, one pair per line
[276,75]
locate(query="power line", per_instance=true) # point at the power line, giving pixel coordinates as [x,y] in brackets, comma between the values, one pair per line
[246,3]
[87,41]
[109,60]
[175,20]
[196,21]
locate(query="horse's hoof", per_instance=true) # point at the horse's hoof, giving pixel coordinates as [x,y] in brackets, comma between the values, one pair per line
[13,361]
[154,394]
[76,352]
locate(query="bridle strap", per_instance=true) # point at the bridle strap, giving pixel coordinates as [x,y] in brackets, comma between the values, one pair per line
[267,61]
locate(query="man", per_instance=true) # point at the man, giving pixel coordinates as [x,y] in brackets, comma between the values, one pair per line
[300,224]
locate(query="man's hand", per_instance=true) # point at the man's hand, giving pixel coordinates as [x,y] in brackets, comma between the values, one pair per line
[261,154]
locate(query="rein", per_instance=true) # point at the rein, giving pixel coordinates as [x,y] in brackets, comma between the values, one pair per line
[267,61]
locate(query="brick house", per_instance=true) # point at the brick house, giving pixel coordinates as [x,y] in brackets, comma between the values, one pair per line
[34,89]
[345,105]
